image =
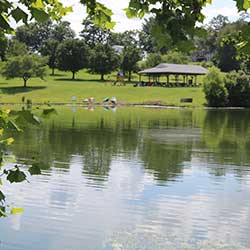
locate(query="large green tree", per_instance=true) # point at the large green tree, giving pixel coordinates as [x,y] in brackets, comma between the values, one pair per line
[130,56]
[92,34]
[34,34]
[25,66]
[49,49]
[72,55]
[103,60]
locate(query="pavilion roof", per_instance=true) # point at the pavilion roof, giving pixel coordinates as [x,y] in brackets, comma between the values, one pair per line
[181,69]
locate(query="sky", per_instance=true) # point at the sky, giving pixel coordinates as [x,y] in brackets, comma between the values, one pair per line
[225,7]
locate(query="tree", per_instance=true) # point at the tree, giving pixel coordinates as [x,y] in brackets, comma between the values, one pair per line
[72,55]
[103,60]
[131,55]
[218,22]
[147,41]
[16,48]
[25,66]
[61,31]
[3,46]
[34,34]
[92,34]
[175,57]
[214,89]
[49,49]
[153,59]
[226,55]
[125,38]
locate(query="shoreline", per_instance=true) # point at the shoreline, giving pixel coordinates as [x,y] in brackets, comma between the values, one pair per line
[152,106]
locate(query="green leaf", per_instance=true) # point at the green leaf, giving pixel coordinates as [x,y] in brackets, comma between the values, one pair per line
[38,4]
[2,196]
[13,125]
[19,14]
[35,170]
[39,15]
[16,210]
[2,211]
[16,176]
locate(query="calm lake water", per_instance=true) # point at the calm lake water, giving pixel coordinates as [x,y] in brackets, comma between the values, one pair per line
[133,178]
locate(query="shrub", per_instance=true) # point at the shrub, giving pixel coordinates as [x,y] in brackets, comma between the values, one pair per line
[214,89]
[238,87]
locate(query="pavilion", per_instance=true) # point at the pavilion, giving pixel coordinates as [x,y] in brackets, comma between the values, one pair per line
[188,72]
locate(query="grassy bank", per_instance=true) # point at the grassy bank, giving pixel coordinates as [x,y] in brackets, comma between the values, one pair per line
[60,89]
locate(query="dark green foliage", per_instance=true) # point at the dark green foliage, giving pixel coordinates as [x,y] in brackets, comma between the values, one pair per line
[104,60]
[61,31]
[238,87]
[72,55]
[16,175]
[16,48]
[26,66]
[49,49]
[214,89]
[92,34]
[175,57]
[34,170]
[34,35]
[226,56]
[153,60]
[126,38]
[131,55]
[3,46]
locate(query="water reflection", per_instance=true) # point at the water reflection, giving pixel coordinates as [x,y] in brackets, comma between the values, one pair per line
[136,179]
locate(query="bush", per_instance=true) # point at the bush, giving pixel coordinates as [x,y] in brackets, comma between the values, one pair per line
[238,87]
[214,89]
[175,57]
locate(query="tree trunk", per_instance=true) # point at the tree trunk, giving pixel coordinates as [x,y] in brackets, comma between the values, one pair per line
[129,76]
[24,82]
[53,72]
[102,77]
[73,75]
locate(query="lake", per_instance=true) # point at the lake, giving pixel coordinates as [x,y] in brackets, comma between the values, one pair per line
[133,179]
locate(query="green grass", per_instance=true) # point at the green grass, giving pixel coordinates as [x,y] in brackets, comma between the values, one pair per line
[60,89]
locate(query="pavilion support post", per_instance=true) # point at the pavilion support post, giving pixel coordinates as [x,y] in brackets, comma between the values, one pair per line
[139,77]
[167,79]
[195,80]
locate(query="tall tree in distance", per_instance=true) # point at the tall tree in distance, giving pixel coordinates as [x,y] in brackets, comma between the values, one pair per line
[61,31]
[72,55]
[49,49]
[103,60]
[34,34]
[92,34]
[130,56]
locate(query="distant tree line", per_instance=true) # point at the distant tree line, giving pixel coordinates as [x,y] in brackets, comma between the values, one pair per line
[56,45]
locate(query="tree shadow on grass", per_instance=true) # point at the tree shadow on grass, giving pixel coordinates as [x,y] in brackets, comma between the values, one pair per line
[77,80]
[21,89]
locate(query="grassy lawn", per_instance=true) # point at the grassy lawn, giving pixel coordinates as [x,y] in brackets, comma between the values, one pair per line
[60,89]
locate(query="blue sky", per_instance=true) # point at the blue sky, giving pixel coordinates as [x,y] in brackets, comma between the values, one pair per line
[224,7]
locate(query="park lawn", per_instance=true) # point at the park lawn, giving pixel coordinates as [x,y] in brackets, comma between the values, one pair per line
[61,89]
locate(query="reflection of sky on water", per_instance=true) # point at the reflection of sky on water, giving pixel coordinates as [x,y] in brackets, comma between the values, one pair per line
[123,188]
[67,211]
